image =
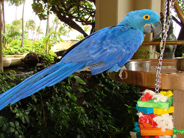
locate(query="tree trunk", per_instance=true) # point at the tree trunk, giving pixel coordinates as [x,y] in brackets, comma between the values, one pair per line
[47,29]
[4,31]
[1,26]
[34,32]
[57,21]
[38,33]
[22,44]
[16,13]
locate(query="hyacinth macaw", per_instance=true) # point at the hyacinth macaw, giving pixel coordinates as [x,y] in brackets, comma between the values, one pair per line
[109,48]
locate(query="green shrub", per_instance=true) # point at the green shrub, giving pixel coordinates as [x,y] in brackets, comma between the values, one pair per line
[81,106]
[37,46]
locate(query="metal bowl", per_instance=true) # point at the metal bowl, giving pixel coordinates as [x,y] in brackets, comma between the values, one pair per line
[139,65]
[180,63]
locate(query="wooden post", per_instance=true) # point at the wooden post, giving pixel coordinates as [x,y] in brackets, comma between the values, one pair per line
[1,27]
[178,114]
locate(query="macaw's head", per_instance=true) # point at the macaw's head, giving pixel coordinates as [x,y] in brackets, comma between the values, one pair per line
[147,21]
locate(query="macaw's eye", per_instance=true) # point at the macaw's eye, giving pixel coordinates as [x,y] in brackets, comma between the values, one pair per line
[146,17]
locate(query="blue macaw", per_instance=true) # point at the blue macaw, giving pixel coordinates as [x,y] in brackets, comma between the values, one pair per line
[109,48]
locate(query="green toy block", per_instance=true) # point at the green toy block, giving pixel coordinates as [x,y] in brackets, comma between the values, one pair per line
[152,104]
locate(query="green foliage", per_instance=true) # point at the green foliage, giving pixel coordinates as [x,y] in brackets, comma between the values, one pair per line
[144,54]
[81,10]
[181,4]
[52,38]
[79,37]
[14,48]
[4,84]
[7,39]
[81,106]
[62,30]
[70,13]
[30,24]
[37,46]
[13,30]
[15,2]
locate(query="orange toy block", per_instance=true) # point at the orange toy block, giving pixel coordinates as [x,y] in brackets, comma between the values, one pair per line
[150,137]
[159,111]
[149,131]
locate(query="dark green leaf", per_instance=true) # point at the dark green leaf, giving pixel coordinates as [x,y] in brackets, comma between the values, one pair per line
[5,126]
[12,124]
[79,80]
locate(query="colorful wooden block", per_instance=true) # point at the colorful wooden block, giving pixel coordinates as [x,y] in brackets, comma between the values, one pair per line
[136,127]
[152,104]
[159,111]
[150,137]
[150,131]
[138,135]
[145,110]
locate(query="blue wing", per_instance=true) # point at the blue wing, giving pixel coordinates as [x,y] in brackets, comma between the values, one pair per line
[109,48]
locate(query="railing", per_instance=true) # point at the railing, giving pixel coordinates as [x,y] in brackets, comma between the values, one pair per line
[178,42]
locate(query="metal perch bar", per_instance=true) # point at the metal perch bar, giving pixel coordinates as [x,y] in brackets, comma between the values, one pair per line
[179,42]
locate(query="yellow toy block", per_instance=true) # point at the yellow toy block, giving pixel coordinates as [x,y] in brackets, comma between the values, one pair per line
[159,111]
[167,93]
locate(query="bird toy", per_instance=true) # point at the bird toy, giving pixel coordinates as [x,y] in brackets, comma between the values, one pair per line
[155,107]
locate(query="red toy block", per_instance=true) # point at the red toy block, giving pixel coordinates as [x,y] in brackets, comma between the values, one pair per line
[150,137]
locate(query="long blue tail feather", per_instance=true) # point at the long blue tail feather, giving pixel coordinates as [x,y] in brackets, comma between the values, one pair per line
[29,80]
[47,82]
[38,81]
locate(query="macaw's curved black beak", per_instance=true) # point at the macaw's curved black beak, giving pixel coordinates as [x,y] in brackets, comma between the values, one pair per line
[155,28]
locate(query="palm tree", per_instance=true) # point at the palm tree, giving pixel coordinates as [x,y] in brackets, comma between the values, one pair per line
[30,24]
[48,16]
[47,28]
[38,31]
[15,28]
[34,32]
[62,30]
[17,3]
[1,53]
[3,10]
[56,21]
[69,30]
[22,43]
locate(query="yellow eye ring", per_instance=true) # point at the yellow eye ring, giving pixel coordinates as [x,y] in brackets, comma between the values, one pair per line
[146,17]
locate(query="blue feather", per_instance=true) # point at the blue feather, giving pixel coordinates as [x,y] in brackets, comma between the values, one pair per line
[109,48]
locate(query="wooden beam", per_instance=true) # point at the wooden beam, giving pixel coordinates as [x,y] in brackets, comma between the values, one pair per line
[179,42]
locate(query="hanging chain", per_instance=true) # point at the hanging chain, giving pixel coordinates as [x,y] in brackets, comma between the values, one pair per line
[166,24]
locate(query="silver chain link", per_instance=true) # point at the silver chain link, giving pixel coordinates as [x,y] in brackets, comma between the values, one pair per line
[166,24]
